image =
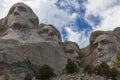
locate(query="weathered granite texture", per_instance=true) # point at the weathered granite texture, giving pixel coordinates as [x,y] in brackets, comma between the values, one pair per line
[72,51]
[25,45]
[103,47]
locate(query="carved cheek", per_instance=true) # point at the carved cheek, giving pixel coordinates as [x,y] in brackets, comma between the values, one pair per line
[10,19]
[106,47]
[95,51]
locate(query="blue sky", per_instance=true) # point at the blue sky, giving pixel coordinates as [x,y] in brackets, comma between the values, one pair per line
[75,19]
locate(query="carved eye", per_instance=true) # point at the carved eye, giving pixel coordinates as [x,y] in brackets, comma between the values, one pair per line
[105,42]
[22,9]
[44,31]
[95,45]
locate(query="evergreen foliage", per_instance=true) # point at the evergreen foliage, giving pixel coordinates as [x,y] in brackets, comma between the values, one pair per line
[88,69]
[71,67]
[103,69]
[27,77]
[46,72]
[117,61]
[114,73]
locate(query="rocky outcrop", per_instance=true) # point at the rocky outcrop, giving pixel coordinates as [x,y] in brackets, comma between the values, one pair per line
[79,76]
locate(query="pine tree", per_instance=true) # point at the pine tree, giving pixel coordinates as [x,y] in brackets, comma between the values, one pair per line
[46,72]
[27,77]
[88,69]
[117,61]
[71,67]
[103,69]
[114,73]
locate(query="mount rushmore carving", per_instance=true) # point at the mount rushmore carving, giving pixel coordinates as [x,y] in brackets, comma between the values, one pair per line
[103,47]
[25,45]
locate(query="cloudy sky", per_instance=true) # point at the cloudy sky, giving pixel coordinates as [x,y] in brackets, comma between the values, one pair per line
[75,19]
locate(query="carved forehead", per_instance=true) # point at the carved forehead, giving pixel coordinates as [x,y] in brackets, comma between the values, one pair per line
[109,38]
[29,11]
[50,28]
[71,44]
[21,4]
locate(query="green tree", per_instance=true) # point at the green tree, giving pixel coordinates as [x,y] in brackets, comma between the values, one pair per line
[114,73]
[88,69]
[27,77]
[96,69]
[103,69]
[46,72]
[117,61]
[71,67]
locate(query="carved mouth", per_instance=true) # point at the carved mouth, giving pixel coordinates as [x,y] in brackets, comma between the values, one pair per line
[100,54]
[18,25]
[19,18]
[105,58]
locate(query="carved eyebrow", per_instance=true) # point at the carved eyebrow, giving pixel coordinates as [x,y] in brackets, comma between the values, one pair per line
[95,44]
[21,8]
[105,41]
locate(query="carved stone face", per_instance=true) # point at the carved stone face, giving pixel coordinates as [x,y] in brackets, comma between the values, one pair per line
[20,15]
[105,47]
[72,50]
[49,32]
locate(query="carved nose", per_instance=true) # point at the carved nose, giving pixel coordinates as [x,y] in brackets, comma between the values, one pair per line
[100,49]
[51,33]
[16,12]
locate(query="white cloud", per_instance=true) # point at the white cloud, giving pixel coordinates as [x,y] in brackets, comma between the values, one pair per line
[46,10]
[77,36]
[107,10]
[70,3]
[49,13]
[111,19]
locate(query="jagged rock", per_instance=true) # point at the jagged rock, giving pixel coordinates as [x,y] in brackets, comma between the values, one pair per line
[25,45]
[79,76]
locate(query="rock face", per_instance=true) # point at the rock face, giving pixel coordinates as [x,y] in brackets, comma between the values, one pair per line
[25,45]
[49,32]
[79,76]
[103,47]
[72,50]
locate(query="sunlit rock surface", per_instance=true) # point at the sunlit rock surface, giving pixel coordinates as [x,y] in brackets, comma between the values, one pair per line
[103,47]
[25,45]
